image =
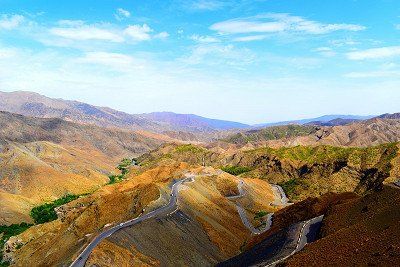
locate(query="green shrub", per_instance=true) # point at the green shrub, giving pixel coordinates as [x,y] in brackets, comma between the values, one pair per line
[260,214]
[235,170]
[7,232]
[45,213]
[289,186]
[124,166]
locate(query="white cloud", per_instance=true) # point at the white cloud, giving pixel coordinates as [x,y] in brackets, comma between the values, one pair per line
[70,23]
[250,38]
[117,61]
[161,35]
[325,51]
[276,23]
[9,22]
[206,4]
[71,30]
[6,53]
[219,55]
[204,39]
[122,14]
[374,74]
[138,32]
[87,32]
[375,53]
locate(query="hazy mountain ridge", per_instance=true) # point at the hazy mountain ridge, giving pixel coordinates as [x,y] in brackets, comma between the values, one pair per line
[36,105]
[370,132]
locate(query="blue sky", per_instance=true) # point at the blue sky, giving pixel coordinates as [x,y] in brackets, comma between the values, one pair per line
[249,61]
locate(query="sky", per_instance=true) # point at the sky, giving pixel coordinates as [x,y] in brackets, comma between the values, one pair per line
[249,61]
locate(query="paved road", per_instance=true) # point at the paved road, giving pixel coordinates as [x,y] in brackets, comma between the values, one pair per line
[168,208]
[242,212]
[307,234]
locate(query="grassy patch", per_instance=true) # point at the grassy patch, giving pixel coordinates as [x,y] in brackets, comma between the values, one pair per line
[260,214]
[289,186]
[123,166]
[189,148]
[7,232]
[45,213]
[235,170]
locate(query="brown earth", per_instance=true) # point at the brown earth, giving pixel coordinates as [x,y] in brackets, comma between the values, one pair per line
[370,132]
[302,171]
[57,242]
[362,231]
[206,229]
[44,159]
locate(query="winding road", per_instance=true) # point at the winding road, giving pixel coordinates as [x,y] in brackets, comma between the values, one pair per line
[307,234]
[242,212]
[166,209]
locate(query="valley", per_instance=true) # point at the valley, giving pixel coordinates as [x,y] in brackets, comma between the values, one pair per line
[79,193]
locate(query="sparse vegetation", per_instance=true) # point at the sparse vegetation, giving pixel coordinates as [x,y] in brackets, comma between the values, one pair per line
[235,170]
[260,214]
[289,186]
[123,166]
[325,153]
[272,133]
[8,231]
[45,213]
[189,148]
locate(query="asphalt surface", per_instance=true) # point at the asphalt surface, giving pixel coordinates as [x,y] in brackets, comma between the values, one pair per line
[283,200]
[308,233]
[168,208]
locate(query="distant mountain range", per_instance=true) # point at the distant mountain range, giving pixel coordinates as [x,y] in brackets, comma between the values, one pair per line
[36,105]
[319,120]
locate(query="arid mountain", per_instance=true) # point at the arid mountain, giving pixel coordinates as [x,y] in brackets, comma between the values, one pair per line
[321,119]
[192,121]
[303,171]
[44,159]
[394,116]
[204,229]
[36,105]
[358,134]
[334,122]
[362,231]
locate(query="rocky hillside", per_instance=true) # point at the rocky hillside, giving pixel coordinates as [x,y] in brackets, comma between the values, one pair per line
[362,231]
[204,230]
[303,171]
[358,134]
[44,159]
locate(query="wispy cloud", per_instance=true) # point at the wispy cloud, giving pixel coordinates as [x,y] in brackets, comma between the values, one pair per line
[375,53]
[325,51]
[250,38]
[277,23]
[122,14]
[204,39]
[86,32]
[205,4]
[219,55]
[80,31]
[374,74]
[9,22]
